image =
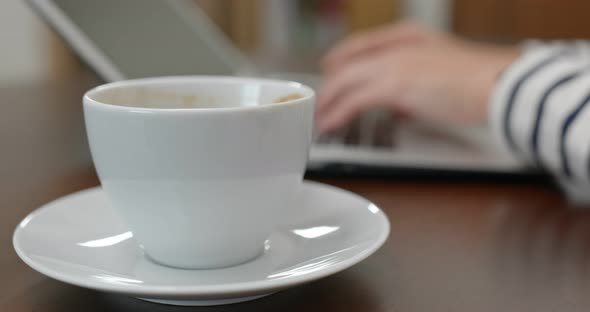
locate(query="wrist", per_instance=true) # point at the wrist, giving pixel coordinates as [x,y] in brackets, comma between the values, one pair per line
[497,60]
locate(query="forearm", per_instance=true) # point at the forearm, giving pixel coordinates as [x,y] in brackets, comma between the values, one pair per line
[539,111]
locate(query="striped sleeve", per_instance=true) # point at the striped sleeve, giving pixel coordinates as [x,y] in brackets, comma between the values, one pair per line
[540,111]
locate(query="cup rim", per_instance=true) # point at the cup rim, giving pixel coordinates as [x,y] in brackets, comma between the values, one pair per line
[308,93]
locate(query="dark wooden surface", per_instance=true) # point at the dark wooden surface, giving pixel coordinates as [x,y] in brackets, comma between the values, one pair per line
[454,246]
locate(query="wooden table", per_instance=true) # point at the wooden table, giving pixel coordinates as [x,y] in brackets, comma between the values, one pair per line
[454,246]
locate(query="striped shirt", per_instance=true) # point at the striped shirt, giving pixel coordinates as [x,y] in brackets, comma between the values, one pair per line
[540,111]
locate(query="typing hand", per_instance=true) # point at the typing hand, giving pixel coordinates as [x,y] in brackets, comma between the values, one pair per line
[411,71]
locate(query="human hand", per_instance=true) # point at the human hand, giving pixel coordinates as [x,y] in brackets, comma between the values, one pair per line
[411,71]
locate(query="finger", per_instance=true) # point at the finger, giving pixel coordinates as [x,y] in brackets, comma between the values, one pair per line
[345,81]
[370,41]
[372,95]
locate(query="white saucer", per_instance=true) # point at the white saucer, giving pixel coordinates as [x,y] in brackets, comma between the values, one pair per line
[79,239]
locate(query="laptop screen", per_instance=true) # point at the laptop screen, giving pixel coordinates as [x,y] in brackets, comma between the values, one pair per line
[145,38]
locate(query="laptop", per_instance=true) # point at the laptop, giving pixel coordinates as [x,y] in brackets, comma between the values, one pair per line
[140,38]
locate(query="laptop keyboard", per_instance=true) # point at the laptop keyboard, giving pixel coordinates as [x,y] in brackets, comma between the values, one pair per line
[376,130]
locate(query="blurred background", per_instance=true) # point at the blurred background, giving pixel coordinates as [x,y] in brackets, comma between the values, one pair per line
[301,30]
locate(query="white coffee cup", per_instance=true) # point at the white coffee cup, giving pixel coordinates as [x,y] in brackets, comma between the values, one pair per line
[201,168]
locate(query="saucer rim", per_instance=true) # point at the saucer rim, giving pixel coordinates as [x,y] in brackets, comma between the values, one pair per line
[208,291]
